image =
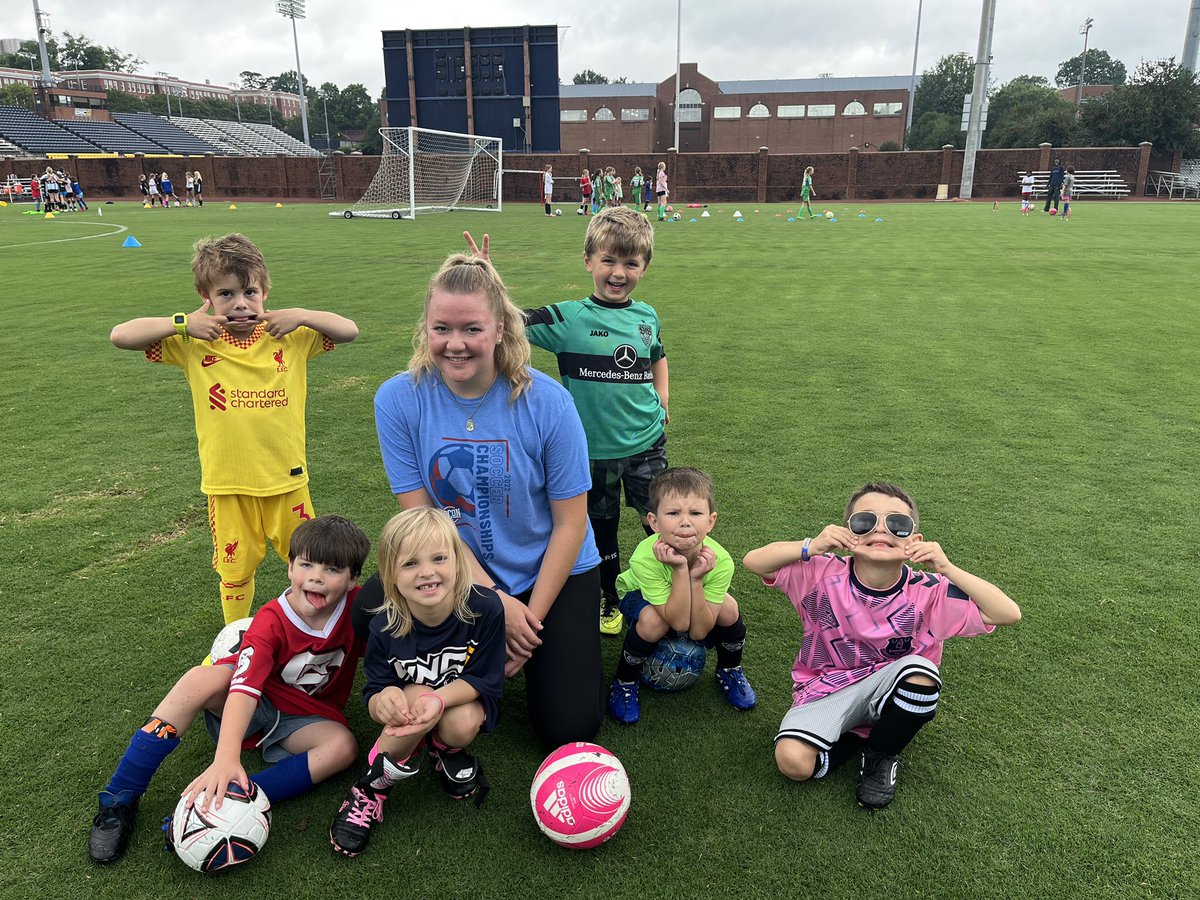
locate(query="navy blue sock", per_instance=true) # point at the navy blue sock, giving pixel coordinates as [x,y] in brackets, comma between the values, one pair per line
[140,761]
[286,779]
[730,639]
[635,651]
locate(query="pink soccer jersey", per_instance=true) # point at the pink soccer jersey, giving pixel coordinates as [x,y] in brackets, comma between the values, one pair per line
[852,631]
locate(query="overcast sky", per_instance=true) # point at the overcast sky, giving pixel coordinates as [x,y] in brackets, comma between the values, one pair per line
[340,40]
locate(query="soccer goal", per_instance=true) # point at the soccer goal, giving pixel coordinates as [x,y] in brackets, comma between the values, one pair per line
[423,170]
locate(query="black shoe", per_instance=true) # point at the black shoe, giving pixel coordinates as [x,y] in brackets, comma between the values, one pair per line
[460,772]
[877,779]
[111,827]
[361,811]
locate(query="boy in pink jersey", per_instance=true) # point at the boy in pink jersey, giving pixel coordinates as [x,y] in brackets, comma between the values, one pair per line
[873,633]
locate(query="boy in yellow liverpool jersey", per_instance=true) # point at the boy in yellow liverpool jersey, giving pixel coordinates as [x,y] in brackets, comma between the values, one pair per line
[247,369]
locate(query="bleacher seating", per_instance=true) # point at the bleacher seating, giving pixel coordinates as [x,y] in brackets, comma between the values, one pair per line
[1176,185]
[111,136]
[37,136]
[283,139]
[1089,183]
[206,132]
[161,131]
[251,138]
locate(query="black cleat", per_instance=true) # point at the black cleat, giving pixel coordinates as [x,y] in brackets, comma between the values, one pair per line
[877,779]
[460,773]
[112,827]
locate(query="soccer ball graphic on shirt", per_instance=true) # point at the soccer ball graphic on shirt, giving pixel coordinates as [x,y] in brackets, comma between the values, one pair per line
[451,473]
[677,663]
[215,839]
[580,796]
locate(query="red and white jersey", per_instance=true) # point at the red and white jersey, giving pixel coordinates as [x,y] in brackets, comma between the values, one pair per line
[301,671]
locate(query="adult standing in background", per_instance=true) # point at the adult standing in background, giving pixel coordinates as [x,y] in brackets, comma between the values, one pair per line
[1054,186]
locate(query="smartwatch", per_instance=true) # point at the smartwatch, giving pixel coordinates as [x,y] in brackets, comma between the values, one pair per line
[179,320]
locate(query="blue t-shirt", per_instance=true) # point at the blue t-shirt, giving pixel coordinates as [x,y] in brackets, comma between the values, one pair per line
[497,481]
[438,655]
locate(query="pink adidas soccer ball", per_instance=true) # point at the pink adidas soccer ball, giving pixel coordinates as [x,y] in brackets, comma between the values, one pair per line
[580,795]
[1053,211]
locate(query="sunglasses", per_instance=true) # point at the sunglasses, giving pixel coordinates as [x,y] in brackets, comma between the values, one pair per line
[898,524]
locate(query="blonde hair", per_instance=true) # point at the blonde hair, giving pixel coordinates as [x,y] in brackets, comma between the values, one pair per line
[809,170]
[463,274]
[232,254]
[662,167]
[401,540]
[621,231]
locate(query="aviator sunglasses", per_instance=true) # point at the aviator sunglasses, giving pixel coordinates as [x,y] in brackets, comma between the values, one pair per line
[898,524]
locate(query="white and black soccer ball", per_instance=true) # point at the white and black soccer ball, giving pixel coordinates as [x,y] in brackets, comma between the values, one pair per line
[228,641]
[676,664]
[579,212]
[558,212]
[677,217]
[214,839]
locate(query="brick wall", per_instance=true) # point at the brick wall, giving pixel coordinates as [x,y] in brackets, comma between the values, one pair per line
[694,177]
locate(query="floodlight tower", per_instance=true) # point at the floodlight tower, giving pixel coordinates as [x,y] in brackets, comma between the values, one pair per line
[42,85]
[912,84]
[294,9]
[1191,40]
[1083,29]
[983,60]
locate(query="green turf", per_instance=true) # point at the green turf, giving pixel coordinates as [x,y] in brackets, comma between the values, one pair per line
[1032,383]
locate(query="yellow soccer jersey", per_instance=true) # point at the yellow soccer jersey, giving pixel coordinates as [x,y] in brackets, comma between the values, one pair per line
[248,399]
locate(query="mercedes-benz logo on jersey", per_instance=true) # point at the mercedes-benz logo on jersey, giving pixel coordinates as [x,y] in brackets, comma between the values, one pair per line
[625,356]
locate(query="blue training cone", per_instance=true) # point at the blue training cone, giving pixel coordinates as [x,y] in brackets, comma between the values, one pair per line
[131,241]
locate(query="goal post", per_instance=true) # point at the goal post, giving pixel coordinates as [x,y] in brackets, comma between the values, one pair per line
[423,170]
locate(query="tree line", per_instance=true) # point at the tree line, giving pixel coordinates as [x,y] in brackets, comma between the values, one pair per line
[1159,103]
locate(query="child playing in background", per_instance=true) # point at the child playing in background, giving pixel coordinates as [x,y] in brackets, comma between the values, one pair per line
[806,194]
[611,359]
[661,191]
[548,188]
[635,185]
[648,196]
[585,193]
[873,633]
[294,671]
[434,670]
[678,581]
[247,370]
[1027,181]
[1068,188]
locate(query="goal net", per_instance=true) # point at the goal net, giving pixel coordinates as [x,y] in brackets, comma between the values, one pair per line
[422,170]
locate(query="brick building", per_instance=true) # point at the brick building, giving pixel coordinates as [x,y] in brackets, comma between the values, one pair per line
[801,115]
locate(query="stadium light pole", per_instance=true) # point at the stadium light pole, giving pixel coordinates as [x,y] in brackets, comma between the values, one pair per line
[983,60]
[294,9]
[1083,29]
[912,83]
[678,47]
[238,103]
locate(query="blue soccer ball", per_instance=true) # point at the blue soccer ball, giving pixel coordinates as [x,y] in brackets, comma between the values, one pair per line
[675,665]
[452,474]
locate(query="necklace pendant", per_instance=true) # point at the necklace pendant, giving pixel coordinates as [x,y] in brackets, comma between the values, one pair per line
[470,424]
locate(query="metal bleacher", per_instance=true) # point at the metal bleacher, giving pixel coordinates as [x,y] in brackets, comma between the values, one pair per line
[283,139]
[1088,183]
[1176,185]
[161,131]
[202,129]
[111,136]
[35,135]
[255,142]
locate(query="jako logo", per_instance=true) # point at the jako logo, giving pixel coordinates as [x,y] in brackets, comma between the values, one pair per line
[279,364]
[216,397]
[556,804]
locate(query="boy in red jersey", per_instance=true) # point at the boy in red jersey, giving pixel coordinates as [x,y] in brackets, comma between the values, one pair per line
[873,634]
[287,694]
[247,369]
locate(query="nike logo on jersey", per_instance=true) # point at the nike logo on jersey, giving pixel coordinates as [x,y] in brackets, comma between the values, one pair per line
[209,361]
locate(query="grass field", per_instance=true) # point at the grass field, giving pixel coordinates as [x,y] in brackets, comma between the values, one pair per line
[1032,383]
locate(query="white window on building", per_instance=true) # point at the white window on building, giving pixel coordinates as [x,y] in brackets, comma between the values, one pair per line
[689,106]
[727,112]
[790,112]
[758,111]
[635,115]
[854,108]
[604,114]
[888,109]
[572,115]
[820,111]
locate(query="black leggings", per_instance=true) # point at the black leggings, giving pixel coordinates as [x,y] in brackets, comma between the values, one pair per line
[564,681]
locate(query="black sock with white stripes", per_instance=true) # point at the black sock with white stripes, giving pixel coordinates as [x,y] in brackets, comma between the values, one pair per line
[828,761]
[730,640]
[910,707]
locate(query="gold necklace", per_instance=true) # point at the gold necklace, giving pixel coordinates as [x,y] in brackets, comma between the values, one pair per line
[470,416]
